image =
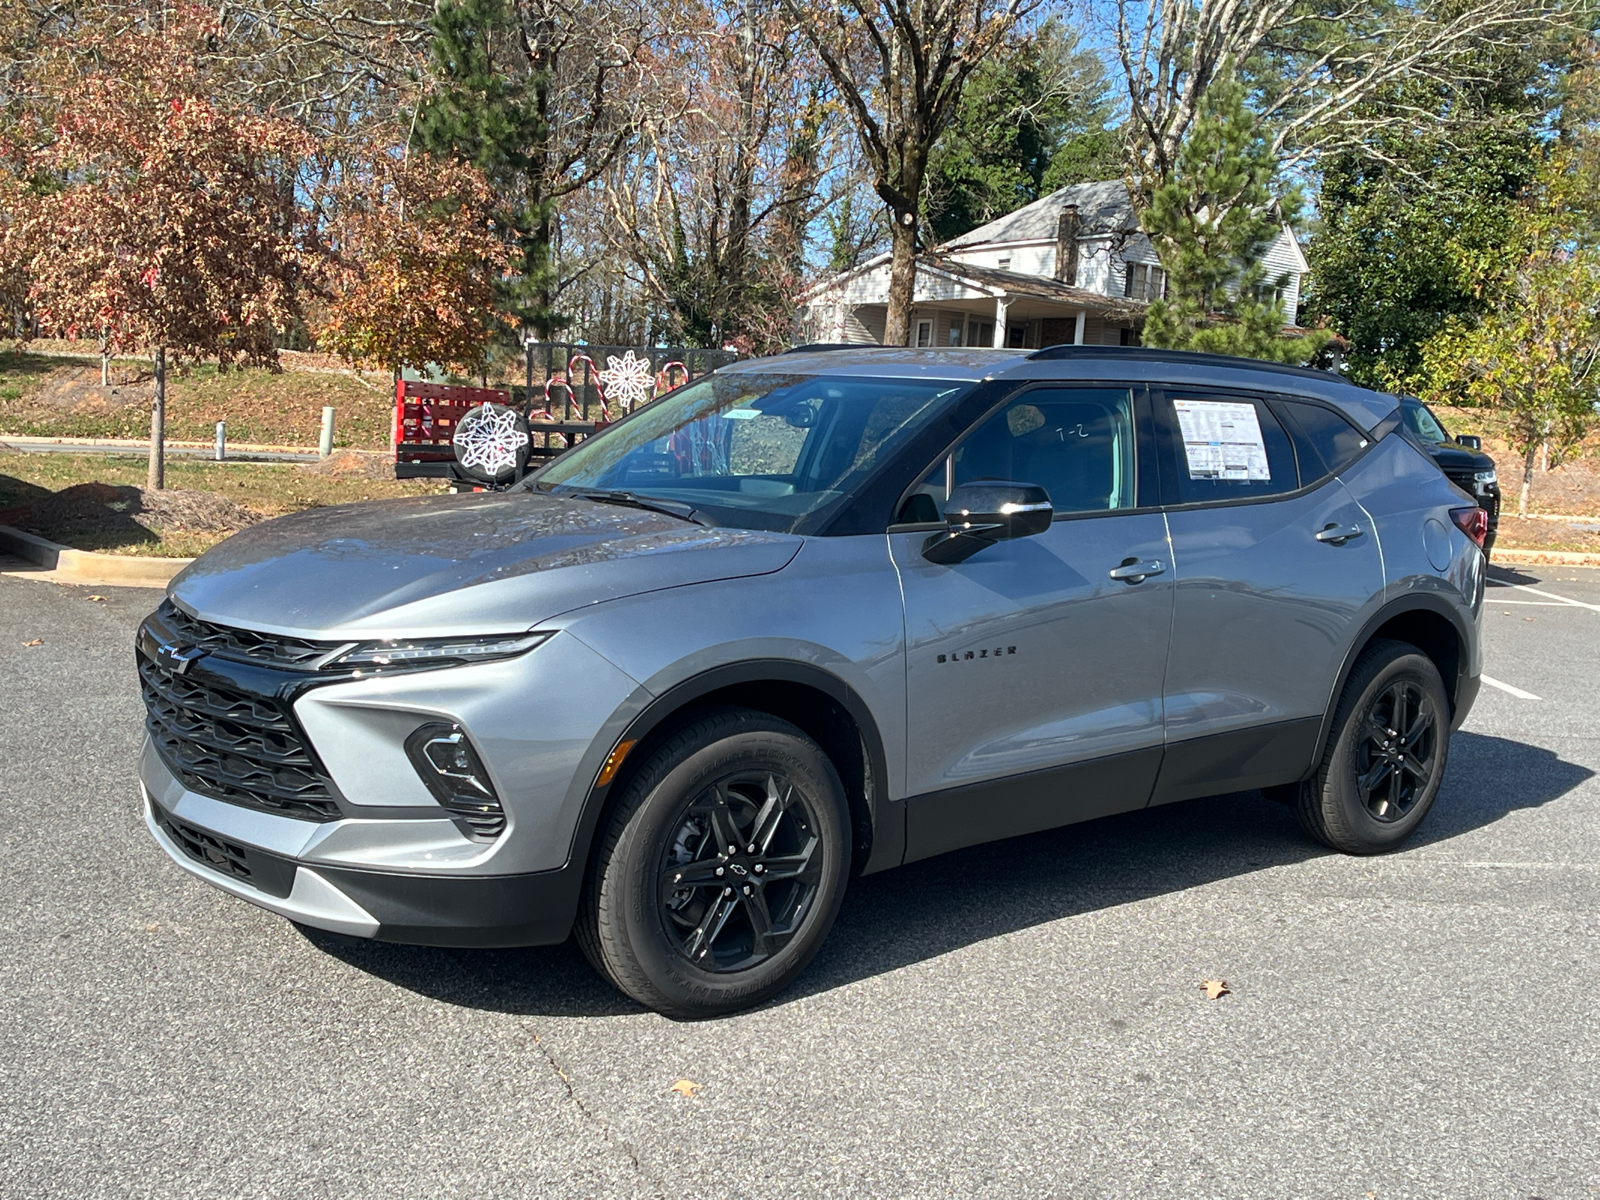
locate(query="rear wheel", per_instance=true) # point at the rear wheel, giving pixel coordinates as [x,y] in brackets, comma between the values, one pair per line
[721,869]
[1386,753]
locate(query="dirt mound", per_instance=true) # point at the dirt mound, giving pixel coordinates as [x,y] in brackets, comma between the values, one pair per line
[105,509]
[353,464]
[78,390]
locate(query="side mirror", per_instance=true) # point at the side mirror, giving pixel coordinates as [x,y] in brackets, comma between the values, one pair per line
[1470,442]
[980,514]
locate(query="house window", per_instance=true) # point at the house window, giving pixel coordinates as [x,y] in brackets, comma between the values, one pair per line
[1016,336]
[924,333]
[1005,263]
[953,334]
[980,333]
[1145,281]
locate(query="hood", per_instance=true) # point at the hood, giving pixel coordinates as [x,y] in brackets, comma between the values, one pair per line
[1459,458]
[468,564]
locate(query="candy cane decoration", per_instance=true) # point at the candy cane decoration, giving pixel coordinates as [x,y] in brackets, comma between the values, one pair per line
[664,376]
[594,378]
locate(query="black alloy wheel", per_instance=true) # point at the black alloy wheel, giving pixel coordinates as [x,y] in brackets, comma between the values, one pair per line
[741,871]
[720,868]
[1385,757]
[1397,754]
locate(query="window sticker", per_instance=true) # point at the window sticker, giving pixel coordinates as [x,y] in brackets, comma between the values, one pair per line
[743,414]
[1222,440]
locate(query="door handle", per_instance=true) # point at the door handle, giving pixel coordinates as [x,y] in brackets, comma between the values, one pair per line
[1338,535]
[1134,571]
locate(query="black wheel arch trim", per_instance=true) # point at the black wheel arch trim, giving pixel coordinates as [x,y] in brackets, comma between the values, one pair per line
[885,818]
[1462,690]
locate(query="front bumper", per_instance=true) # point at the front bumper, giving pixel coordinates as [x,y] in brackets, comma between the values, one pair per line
[532,909]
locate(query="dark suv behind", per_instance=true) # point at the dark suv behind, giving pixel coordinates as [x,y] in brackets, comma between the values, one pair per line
[1461,459]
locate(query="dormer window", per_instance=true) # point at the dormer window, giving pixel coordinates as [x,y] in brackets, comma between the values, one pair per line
[1005,263]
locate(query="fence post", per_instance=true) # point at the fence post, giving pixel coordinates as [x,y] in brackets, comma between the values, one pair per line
[222,440]
[325,446]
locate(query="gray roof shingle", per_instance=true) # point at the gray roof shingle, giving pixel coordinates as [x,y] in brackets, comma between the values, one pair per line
[1103,206]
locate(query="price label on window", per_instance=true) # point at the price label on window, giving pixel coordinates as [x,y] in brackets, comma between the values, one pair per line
[1222,440]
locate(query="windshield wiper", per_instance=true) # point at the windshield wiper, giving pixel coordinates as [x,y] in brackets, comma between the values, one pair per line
[671,508]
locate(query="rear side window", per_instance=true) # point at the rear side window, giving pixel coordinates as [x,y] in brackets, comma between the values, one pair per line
[1221,448]
[1325,442]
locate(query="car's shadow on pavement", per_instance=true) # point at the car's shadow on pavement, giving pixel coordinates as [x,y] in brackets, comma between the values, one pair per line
[932,907]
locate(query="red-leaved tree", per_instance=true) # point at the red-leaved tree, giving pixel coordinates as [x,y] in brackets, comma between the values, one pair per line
[173,225]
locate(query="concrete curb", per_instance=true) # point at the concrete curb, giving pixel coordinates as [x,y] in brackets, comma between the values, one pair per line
[67,565]
[1565,558]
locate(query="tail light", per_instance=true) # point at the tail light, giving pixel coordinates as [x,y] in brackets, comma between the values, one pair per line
[1473,522]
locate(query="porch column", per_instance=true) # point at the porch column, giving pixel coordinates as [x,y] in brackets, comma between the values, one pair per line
[1000,305]
[1077,329]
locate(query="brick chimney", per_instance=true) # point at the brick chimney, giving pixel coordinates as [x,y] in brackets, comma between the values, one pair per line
[1067,244]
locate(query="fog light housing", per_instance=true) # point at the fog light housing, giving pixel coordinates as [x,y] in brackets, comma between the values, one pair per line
[452,771]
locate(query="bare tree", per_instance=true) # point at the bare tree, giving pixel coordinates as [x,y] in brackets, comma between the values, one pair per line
[1312,67]
[899,67]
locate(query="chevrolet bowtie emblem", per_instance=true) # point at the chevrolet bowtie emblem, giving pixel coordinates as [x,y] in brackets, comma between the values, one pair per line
[177,658]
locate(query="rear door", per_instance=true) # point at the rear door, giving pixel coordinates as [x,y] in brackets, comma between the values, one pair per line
[1034,677]
[1274,562]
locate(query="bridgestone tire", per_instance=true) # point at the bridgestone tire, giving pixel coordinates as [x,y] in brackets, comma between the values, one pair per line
[1330,805]
[623,925]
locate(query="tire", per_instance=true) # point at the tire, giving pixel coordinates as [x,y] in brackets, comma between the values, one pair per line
[1380,773]
[686,923]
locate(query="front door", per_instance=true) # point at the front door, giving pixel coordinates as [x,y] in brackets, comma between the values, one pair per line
[1275,564]
[1033,676]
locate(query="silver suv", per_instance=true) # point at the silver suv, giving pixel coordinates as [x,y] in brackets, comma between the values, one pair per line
[810,617]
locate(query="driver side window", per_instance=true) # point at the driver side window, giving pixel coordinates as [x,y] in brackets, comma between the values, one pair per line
[1076,443]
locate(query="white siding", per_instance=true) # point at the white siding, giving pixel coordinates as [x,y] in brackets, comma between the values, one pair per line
[1025,258]
[863,325]
[1283,257]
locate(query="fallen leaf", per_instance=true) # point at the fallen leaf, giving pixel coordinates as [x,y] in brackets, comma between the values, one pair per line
[151,927]
[97,597]
[686,1087]
[1215,988]
[35,642]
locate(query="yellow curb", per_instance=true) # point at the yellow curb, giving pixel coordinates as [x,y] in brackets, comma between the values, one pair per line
[66,565]
[1566,558]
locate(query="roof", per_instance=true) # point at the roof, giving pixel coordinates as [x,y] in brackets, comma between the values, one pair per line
[1103,207]
[1040,286]
[1120,364]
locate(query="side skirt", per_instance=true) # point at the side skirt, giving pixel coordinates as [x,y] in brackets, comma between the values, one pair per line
[1003,808]
[938,822]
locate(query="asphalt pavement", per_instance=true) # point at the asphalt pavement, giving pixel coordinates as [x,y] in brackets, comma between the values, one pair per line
[1021,1019]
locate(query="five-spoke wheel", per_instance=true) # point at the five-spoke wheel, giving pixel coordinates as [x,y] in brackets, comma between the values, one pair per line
[1385,755]
[721,866]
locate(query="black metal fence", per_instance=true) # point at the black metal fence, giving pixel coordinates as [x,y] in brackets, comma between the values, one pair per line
[575,382]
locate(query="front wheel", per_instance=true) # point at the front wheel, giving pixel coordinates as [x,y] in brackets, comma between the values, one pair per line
[1386,753]
[721,869]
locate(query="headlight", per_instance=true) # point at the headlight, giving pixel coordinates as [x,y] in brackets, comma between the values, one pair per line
[1483,480]
[438,652]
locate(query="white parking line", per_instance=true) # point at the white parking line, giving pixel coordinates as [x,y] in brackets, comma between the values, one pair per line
[1533,591]
[1506,687]
[1530,603]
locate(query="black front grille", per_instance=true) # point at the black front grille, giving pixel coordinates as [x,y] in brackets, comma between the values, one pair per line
[266,872]
[244,645]
[233,746]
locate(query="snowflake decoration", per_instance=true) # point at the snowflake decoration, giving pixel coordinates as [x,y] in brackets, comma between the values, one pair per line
[629,380]
[488,437]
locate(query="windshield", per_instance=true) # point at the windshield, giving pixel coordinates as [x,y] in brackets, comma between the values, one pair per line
[753,451]
[1423,423]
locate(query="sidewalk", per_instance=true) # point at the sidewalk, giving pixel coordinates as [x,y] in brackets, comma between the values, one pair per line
[236,451]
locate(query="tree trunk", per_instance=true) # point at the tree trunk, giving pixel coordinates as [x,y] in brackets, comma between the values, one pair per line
[1527,478]
[156,479]
[902,281]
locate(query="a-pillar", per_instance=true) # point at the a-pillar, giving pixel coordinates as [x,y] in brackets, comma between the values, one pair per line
[1077,329]
[1000,305]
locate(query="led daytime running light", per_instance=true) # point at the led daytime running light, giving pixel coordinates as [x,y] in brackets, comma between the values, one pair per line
[423,653]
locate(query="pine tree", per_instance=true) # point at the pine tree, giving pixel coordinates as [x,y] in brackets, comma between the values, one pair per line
[1210,223]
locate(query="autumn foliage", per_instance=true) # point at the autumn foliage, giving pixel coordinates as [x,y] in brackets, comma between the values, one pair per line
[171,221]
[413,258]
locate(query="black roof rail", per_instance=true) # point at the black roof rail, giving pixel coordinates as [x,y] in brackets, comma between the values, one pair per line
[812,347]
[1150,354]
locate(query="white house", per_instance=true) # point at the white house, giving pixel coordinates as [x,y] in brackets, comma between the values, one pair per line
[1070,267]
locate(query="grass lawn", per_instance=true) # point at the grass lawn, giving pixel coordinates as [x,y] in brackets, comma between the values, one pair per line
[261,491]
[45,395]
